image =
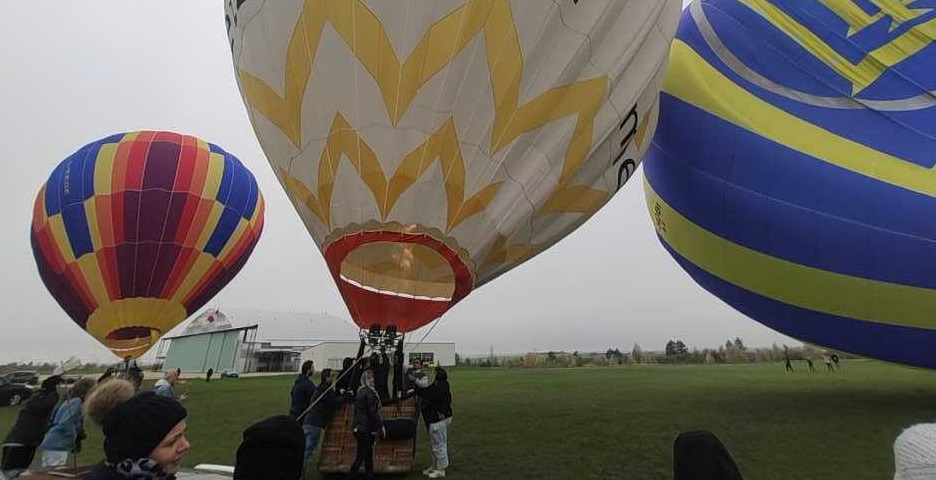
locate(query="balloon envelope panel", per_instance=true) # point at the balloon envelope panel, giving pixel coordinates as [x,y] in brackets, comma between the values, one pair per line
[432,145]
[134,232]
[791,173]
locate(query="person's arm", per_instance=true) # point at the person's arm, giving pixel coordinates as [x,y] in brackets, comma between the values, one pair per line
[332,400]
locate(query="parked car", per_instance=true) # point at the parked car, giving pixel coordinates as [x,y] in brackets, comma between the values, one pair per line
[229,373]
[13,393]
[23,376]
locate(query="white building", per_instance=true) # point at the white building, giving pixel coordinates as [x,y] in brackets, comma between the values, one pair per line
[267,341]
[331,354]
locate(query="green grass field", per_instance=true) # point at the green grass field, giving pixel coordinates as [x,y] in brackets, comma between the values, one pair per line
[619,422]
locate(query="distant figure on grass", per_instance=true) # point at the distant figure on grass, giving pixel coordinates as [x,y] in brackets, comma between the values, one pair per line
[144,434]
[324,403]
[828,363]
[809,363]
[437,413]
[67,428]
[835,361]
[699,455]
[20,444]
[272,449]
[208,375]
[366,425]
[915,453]
[166,386]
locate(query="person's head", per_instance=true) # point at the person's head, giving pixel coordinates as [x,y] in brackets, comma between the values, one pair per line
[273,449]
[327,376]
[417,364]
[915,453]
[50,384]
[307,368]
[367,378]
[82,388]
[140,431]
[172,376]
[347,363]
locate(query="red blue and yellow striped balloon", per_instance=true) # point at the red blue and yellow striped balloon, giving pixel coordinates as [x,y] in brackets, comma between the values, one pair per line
[134,232]
[792,173]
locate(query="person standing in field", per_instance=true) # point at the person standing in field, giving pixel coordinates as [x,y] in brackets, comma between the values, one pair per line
[828,363]
[809,363]
[437,413]
[209,374]
[380,363]
[367,425]
[324,403]
[301,397]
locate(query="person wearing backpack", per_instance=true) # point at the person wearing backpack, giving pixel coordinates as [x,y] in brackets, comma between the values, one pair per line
[20,444]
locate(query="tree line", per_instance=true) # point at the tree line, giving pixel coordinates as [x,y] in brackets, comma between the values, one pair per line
[674,351]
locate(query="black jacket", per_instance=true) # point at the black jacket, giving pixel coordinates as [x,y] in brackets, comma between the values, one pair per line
[33,419]
[381,367]
[328,401]
[366,411]
[437,398]
[301,394]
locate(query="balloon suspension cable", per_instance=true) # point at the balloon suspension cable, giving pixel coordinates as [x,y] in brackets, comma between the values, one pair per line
[414,346]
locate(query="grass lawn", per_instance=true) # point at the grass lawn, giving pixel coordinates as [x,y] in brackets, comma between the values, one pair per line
[619,422]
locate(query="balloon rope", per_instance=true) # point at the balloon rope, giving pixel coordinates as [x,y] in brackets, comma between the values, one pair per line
[423,339]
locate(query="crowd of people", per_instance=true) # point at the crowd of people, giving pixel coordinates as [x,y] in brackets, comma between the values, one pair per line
[365,384]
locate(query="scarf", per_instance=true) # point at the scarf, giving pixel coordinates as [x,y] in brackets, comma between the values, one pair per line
[140,469]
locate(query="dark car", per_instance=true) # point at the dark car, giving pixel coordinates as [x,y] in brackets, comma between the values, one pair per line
[13,393]
[22,376]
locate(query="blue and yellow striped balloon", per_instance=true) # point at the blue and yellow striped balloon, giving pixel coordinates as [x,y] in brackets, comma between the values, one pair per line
[792,171]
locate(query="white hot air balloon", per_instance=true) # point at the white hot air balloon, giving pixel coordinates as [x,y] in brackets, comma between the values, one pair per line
[432,145]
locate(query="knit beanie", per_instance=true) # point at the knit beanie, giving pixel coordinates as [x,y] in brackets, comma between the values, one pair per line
[915,453]
[273,449]
[135,428]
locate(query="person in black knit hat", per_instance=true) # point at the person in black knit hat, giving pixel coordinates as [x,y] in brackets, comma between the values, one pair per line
[144,434]
[273,449]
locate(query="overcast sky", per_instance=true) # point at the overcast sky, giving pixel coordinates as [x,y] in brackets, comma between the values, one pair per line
[73,72]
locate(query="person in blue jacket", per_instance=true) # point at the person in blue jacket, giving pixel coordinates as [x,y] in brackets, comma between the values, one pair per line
[66,430]
[324,403]
[301,398]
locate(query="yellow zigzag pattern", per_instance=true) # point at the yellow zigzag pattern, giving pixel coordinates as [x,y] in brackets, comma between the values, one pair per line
[400,82]
[344,141]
